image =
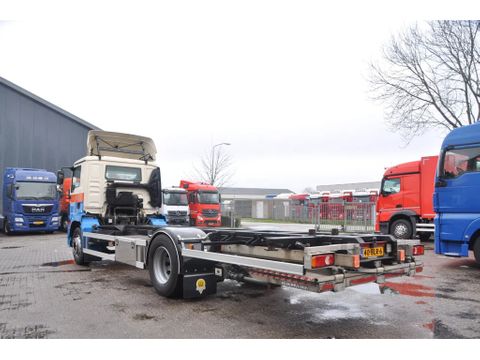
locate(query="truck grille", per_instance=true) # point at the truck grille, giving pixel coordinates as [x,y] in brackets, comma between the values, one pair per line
[211,213]
[177,213]
[30,209]
[32,219]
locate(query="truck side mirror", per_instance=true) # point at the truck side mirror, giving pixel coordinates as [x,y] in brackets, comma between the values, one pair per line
[60,177]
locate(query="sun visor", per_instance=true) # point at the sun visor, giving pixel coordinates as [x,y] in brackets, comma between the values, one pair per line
[127,146]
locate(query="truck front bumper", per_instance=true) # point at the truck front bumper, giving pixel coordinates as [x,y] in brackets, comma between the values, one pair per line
[20,223]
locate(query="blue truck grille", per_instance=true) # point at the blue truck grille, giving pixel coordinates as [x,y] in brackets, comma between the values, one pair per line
[32,219]
[30,209]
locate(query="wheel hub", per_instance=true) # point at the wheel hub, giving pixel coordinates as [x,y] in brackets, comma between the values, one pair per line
[162,266]
[400,230]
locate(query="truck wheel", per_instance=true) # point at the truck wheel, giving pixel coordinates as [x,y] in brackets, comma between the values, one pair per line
[6,228]
[401,229]
[78,255]
[163,267]
[64,224]
[476,250]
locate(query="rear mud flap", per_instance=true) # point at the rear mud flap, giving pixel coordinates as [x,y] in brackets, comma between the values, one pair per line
[199,285]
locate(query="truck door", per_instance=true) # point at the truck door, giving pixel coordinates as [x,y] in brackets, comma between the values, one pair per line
[457,194]
[391,196]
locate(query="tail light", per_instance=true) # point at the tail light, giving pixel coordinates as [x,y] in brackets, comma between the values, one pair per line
[323,260]
[401,255]
[418,250]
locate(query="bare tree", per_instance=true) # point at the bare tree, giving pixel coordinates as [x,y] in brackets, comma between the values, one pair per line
[215,167]
[429,77]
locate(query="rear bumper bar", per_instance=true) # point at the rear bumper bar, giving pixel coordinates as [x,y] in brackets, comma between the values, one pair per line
[322,283]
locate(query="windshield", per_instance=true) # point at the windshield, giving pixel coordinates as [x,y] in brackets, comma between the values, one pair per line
[175,198]
[123,173]
[35,191]
[208,198]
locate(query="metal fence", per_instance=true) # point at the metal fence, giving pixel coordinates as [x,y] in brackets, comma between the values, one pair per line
[348,217]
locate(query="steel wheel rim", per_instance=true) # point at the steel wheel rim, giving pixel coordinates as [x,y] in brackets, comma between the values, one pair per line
[162,265]
[76,245]
[400,230]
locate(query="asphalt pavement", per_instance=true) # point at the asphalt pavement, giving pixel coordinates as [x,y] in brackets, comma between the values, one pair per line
[43,294]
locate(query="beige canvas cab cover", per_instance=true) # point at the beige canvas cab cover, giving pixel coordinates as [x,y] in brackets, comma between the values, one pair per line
[127,146]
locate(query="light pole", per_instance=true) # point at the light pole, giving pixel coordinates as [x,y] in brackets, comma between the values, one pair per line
[212,172]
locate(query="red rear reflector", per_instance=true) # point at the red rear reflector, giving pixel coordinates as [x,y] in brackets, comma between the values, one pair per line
[418,250]
[356,261]
[401,255]
[323,260]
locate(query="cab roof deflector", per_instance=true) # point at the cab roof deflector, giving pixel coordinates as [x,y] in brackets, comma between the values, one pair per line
[105,143]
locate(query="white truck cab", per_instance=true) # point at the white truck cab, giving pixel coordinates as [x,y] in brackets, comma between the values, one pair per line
[175,206]
[117,183]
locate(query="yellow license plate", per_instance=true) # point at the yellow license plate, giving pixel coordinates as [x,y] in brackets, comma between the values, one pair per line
[38,223]
[371,252]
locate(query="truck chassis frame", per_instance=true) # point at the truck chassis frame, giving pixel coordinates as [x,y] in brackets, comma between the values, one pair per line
[275,257]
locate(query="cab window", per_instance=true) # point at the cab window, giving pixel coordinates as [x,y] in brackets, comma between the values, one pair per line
[459,161]
[123,173]
[391,186]
[76,177]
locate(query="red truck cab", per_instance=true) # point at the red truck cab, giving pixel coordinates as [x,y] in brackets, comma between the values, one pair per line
[204,203]
[65,204]
[405,202]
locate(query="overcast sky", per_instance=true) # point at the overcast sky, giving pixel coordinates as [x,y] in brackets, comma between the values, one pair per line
[283,82]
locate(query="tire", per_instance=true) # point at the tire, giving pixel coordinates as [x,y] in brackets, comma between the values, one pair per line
[77,250]
[64,223]
[163,264]
[402,229]
[476,250]
[6,228]
[424,236]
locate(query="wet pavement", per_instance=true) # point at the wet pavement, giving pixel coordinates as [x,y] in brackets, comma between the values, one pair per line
[43,294]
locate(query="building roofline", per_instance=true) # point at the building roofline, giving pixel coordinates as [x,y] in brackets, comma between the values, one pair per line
[46,103]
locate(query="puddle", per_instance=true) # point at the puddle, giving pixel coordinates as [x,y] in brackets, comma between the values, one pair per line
[416,290]
[371,288]
[59,263]
[342,312]
[11,247]
[441,331]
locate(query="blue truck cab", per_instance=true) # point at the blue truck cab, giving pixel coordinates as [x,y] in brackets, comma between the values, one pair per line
[456,198]
[30,200]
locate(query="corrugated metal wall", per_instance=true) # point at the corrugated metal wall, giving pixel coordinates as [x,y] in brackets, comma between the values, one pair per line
[34,135]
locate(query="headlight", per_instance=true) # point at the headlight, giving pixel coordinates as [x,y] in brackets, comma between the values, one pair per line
[55,219]
[19,219]
[200,218]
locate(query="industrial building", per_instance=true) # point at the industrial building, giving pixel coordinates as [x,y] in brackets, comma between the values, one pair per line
[37,134]
[349,186]
[251,202]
